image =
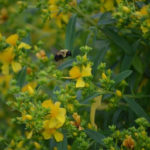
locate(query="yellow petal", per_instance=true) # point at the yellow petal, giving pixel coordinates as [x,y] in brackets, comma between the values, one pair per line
[75,72]
[30,90]
[24,45]
[53,123]
[80,83]
[33,84]
[47,134]
[12,39]
[61,116]
[58,136]
[5,69]
[7,55]
[37,145]
[16,66]
[57,104]
[86,71]
[29,87]
[47,103]
[109,5]
[29,134]
[46,124]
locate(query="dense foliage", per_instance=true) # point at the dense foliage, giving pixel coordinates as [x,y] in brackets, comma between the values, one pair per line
[97,98]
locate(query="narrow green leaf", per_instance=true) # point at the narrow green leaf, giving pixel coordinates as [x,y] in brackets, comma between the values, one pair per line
[116,116]
[137,64]
[21,77]
[136,108]
[87,99]
[118,40]
[102,47]
[121,76]
[106,18]
[127,61]
[70,33]
[96,136]
[66,64]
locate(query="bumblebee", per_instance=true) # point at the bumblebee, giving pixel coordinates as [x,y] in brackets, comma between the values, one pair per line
[62,54]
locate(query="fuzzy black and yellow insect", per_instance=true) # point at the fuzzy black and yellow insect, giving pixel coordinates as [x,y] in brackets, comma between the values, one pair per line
[62,54]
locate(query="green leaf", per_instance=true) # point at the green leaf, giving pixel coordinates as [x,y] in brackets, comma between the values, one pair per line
[116,116]
[118,40]
[102,47]
[127,61]
[136,108]
[96,136]
[87,99]
[121,76]
[66,64]
[106,18]
[70,33]
[21,77]
[137,64]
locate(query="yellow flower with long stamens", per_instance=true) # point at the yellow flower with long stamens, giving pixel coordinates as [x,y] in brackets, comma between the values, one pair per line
[55,120]
[78,74]
[57,114]
[7,58]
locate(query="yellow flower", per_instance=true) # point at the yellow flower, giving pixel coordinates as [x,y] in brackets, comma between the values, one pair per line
[26,117]
[56,14]
[7,58]
[37,145]
[57,115]
[24,45]
[126,9]
[55,120]
[104,77]
[55,148]
[29,134]
[118,93]
[29,87]
[4,83]
[144,10]
[20,144]
[78,74]
[70,107]
[68,147]
[144,29]
[49,133]
[108,5]
[12,39]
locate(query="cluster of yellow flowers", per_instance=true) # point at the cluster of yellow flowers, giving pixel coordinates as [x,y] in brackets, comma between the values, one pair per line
[130,15]
[8,58]
[108,5]
[56,14]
